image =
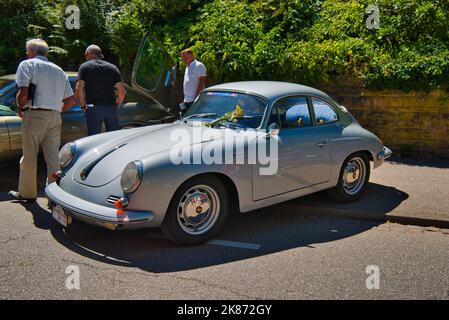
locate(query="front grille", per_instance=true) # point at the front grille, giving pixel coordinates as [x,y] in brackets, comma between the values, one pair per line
[112,199]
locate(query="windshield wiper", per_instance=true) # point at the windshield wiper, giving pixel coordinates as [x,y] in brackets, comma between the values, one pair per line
[200,115]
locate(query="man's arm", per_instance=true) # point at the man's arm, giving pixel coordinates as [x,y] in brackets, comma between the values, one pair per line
[121,93]
[23,80]
[79,92]
[201,85]
[21,99]
[68,103]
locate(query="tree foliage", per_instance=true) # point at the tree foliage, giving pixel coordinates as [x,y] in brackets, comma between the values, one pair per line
[306,41]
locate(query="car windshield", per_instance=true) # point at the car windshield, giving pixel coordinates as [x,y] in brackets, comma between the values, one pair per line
[7,93]
[216,104]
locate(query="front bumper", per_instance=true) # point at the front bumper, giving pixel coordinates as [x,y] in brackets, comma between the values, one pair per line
[98,215]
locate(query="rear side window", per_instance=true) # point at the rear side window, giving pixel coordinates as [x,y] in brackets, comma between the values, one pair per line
[294,112]
[324,113]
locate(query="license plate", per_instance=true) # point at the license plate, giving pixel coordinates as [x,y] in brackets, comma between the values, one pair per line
[59,215]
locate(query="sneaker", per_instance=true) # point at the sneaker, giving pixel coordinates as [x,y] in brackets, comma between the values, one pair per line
[16,196]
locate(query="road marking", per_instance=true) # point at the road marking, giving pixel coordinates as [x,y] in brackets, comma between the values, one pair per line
[234,244]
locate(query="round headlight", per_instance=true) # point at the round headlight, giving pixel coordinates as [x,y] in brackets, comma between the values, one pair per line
[67,153]
[131,176]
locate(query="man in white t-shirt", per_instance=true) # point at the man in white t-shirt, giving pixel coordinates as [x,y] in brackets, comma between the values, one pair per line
[194,78]
[41,115]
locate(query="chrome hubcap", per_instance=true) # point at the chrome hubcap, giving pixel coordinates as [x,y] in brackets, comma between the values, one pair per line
[198,210]
[354,175]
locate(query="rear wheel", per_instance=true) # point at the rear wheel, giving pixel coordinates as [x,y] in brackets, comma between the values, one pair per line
[197,211]
[354,176]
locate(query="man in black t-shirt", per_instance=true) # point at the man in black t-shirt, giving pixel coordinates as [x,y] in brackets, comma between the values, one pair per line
[97,83]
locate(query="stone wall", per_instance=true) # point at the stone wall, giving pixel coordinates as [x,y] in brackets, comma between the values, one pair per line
[410,123]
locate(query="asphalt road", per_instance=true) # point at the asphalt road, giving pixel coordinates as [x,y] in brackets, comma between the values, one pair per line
[273,255]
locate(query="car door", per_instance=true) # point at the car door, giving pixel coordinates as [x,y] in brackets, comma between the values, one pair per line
[303,150]
[154,72]
[5,147]
[11,121]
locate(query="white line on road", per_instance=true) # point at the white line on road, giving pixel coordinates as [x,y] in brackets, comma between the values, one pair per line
[234,244]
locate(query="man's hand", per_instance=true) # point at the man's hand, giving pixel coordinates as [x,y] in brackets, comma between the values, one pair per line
[121,93]
[20,111]
[68,103]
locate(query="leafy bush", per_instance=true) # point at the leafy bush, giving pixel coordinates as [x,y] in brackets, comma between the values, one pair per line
[13,30]
[306,41]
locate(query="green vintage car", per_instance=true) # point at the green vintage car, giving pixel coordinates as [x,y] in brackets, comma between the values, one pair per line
[139,109]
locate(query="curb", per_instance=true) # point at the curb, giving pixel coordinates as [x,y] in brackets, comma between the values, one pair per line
[394,217]
[417,221]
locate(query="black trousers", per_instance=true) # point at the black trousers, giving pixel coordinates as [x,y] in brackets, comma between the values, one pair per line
[96,115]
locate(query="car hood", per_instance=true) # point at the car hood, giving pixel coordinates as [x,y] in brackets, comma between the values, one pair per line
[104,163]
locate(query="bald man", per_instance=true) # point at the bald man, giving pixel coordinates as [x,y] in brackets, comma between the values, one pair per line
[98,81]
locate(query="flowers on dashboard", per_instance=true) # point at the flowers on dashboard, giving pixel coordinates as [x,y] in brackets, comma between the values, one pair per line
[231,116]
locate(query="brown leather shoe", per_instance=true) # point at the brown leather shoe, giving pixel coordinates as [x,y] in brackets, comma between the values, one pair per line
[16,196]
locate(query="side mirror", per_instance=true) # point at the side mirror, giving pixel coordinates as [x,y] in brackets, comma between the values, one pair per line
[273,129]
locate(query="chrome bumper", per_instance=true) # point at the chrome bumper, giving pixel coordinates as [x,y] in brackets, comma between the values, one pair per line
[384,154]
[95,214]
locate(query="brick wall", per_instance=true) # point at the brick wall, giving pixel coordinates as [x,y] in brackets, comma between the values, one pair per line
[410,123]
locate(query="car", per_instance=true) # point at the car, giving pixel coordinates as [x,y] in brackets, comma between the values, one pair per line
[139,109]
[134,179]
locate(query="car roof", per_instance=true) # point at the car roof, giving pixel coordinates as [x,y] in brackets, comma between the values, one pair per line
[12,77]
[271,90]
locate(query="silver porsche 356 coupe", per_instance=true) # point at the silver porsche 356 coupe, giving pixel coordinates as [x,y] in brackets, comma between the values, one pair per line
[142,178]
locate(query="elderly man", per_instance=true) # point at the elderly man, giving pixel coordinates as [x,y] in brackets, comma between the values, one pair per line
[194,79]
[40,111]
[95,89]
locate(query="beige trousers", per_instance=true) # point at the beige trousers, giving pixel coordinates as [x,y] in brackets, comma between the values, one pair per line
[40,129]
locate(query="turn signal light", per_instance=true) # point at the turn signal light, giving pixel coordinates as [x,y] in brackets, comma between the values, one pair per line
[121,203]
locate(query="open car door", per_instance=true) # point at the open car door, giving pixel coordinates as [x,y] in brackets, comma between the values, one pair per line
[153,73]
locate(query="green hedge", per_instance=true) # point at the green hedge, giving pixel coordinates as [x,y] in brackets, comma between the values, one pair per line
[306,41]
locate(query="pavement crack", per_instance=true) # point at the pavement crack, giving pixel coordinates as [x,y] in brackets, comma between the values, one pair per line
[22,237]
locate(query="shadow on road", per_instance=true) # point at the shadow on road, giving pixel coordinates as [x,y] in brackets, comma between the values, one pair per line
[432,163]
[377,201]
[274,229]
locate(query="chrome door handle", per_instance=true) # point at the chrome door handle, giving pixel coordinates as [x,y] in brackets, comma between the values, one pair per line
[321,144]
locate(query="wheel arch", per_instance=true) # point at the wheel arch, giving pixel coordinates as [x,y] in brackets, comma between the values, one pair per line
[367,153]
[234,200]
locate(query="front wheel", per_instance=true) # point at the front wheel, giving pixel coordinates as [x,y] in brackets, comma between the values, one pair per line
[197,211]
[354,176]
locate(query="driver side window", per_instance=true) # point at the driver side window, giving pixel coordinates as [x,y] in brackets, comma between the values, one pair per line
[293,112]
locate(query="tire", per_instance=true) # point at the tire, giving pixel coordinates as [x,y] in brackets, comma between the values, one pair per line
[353,178]
[184,221]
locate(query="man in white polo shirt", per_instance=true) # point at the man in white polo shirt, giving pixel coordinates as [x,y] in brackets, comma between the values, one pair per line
[41,115]
[194,79]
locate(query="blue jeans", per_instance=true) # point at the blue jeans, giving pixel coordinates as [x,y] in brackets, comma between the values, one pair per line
[96,115]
